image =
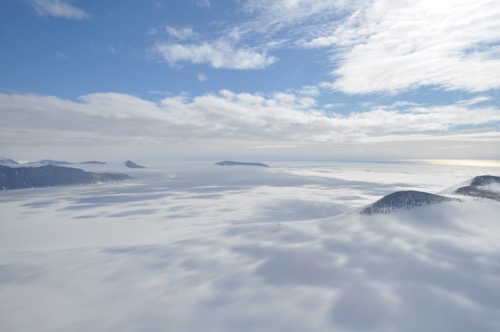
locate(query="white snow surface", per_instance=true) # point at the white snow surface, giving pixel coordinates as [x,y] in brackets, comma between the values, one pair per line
[193,247]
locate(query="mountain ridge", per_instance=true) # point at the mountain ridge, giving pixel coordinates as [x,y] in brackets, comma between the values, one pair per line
[478,188]
[51,176]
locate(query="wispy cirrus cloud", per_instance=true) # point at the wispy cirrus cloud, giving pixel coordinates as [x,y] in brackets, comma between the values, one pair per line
[297,18]
[391,46]
[59,9]
[246,43]
[383,46]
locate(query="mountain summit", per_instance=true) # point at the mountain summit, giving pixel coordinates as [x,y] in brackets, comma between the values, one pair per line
[403,200]
[131,164]
[484,186]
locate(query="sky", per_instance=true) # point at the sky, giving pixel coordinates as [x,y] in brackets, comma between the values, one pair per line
[249,79]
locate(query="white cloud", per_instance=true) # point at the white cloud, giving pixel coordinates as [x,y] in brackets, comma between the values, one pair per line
[219,54]
[377,46]
[475,100]
[259,120]
[387,45]
[310,90]
[202,77]
[181,34]
[263,26]
[320,42]
[398,45]
[59,8]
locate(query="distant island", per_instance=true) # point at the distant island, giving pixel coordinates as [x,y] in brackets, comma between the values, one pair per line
[238,163]
[94,162]
[51,176]
[131,164]
[52,162]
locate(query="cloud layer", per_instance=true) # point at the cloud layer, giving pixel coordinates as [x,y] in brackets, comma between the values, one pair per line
[249,249]
[275,119]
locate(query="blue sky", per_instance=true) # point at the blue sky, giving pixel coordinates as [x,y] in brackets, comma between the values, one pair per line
[284,79]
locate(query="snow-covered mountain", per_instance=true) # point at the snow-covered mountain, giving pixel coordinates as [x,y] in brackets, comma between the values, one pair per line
[50,176]
[131,164]
[8,161]
[409,199]
[485,186]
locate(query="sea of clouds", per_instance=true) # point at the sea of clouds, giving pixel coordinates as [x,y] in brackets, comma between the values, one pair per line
[202,247]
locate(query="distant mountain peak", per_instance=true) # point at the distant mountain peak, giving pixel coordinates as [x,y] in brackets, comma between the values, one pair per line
[483,180]
[239,163]
[8,161]
[94,162]
[131,164]
[480,187]
[399,200]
